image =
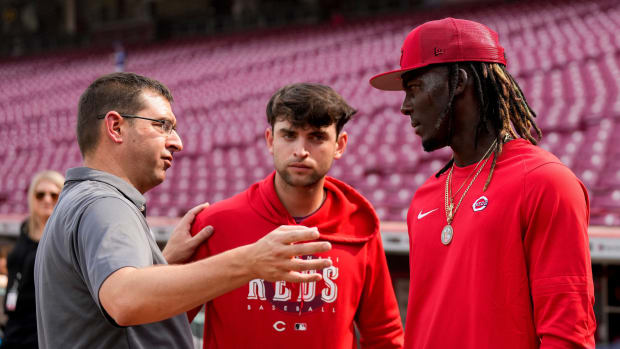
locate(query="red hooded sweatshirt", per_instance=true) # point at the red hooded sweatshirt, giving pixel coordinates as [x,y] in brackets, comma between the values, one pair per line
[356,289]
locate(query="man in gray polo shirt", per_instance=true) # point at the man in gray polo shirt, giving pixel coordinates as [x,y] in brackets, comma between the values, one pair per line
[101,281]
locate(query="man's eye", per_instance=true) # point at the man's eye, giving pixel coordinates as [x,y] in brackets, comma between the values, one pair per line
[411,90]
[166,126]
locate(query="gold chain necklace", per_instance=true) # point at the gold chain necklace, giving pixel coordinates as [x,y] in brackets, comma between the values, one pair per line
[469,175]
[448,232]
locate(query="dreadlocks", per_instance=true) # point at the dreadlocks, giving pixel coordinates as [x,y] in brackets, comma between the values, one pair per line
[501,103]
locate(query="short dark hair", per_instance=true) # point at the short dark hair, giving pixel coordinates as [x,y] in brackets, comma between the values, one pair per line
[309,104]
[121,92]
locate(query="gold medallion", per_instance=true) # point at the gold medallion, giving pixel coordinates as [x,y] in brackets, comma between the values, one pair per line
[446,234]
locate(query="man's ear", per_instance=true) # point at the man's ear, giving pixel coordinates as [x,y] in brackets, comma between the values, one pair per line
[269,139]
[462,82]
[341,144]
[112,123]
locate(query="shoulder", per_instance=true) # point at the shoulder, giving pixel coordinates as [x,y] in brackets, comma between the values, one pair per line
[346,191]
[79,196]
[526,156]
[108,222]
[541,166]
[109,215]
[524,162]
[89,205]
[22,241]
[114,207]
[555,183]
[89,187]
[23,228]
[551,188]
[551,173]
[538,168]
[224,208]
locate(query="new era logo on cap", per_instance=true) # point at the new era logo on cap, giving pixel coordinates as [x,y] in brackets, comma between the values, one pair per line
[438,51]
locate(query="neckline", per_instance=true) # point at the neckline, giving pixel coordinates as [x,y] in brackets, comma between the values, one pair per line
[462,172]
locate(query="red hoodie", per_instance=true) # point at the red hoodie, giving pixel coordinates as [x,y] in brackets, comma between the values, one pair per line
[356,288]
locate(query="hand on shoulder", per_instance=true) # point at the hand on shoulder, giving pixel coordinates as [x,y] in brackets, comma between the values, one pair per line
[181,245]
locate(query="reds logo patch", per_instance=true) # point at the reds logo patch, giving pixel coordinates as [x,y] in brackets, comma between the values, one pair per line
[308,297]
[480,204]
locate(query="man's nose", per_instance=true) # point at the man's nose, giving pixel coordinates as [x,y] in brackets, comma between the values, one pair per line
[173,142]
[301,150]
[406,108]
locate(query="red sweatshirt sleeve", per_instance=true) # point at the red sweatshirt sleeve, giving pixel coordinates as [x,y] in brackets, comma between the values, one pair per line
[201,253]
[378,317]
[558,256]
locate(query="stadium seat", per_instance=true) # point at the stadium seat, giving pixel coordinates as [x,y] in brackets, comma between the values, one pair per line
[565,55]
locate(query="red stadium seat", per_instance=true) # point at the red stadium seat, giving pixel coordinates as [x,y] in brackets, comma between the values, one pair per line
[565,55]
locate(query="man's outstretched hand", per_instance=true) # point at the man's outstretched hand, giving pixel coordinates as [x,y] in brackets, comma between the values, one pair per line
[272,258]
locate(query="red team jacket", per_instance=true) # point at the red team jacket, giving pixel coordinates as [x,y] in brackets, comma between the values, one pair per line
[517,273]
[356,288]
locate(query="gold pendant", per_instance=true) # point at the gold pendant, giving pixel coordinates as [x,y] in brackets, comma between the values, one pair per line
[446,234]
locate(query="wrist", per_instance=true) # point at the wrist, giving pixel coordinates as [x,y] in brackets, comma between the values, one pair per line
[242,264]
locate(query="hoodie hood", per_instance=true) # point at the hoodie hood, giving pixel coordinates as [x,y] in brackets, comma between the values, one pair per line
[345,216]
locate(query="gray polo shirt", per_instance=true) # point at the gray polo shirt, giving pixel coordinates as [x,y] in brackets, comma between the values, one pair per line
[98,226]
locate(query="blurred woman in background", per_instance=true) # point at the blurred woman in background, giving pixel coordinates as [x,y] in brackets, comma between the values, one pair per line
[19,303]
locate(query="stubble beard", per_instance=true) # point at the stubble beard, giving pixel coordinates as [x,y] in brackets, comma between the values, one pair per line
[306,181]
[435,143]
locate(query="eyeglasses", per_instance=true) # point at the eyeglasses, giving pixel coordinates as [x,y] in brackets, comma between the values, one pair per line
[41,194]
[166,125]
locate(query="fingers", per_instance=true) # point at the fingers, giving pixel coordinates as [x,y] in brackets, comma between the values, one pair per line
[296,270]
[308,248]
[191,214]
[298,233]
[289,235]
[195,210]
[297,264]
[271,258]
[202,235]
[301,277]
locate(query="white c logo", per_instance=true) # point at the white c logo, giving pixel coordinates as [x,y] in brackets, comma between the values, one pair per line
[279,326]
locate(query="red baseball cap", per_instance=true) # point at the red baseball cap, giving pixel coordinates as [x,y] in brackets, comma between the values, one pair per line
[446,40]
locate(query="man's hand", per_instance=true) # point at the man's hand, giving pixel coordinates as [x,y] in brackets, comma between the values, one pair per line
[181,244]
[272,257]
